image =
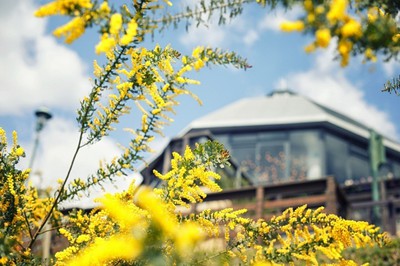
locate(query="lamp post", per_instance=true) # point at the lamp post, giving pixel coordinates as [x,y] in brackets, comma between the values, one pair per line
[42,116]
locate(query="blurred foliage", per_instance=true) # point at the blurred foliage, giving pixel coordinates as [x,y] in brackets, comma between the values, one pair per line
[388,255]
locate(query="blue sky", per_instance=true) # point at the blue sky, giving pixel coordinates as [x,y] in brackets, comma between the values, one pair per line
[36,69]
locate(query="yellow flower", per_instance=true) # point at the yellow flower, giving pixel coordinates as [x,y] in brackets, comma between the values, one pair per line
[308,5]
[352,28]
[115,23]
[106,44]
[72,30]
[19,151]
[168,2]
[344,48]
[118,210]
[105,250]
[83,238]
[310,48]
[198,64]
[292,26]
[323,37]
[337,10]
[370,55]
[311,18]
[374,13]
[197,52]
[62,7]
[187,236]
[104,7]
[97,69]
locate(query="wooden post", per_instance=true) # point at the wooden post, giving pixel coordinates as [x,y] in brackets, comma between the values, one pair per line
[259,201]
[167,160]
[331,205]
[391,216]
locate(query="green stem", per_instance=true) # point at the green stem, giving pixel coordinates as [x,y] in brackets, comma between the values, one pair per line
[78,147]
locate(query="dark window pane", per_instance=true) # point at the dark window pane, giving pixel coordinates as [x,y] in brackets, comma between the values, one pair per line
[306,155]
[337,158]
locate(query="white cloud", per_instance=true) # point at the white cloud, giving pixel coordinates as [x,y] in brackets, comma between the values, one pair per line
[211,35]
[58,142]
[391,68]
[34,69]
[251,37]
[240,30]
[327,84]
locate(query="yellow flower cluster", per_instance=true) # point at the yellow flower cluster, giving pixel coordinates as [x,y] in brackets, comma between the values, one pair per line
[20,207]
[117,35]
[186,180]
[86,12]
[63,7]
[121,230]
[333,19]
[81,10]
[303,235]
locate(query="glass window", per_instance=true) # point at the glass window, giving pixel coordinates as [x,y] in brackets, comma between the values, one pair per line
[359,164]
[272,162]
[336,158]
[306,155]
[391,169]
[359,168]
[272,157]
[396,170]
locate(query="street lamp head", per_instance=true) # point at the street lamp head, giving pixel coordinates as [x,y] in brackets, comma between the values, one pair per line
[42,115]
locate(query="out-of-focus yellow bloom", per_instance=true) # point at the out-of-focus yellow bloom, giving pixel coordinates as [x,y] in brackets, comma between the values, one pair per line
[310,17]
[104,7]
[197,51]
[320,9]
[19,151]
[97,70]
[106,44]
[370,55]
[188,235]
[323,37]
[374,13]
[62,7]
[198,64]
[351,28]
[119,211]
[72,30]
[337,11]
[344,49]
[396,37]
[292,26]
[308,5]
[104,250]
[168,2]
[115,24]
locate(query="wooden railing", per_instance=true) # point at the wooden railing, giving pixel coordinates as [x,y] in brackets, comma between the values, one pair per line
[387,213]
[265,200]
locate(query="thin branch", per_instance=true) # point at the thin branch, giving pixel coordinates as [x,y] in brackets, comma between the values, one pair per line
[27,223]
[78,147]
[56,201]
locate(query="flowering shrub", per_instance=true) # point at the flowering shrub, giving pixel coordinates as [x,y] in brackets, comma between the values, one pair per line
[143,225]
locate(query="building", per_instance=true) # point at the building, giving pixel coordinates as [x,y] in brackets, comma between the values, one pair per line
[285,138]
